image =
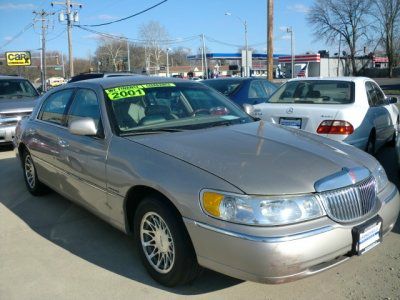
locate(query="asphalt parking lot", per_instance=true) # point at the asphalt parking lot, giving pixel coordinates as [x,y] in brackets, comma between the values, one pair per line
[52,249]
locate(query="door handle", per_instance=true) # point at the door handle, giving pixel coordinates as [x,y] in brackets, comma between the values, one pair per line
[63,143]
[31,131]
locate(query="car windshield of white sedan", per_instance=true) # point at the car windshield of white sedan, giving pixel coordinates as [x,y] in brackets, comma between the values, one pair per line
[170,107]
[314,92]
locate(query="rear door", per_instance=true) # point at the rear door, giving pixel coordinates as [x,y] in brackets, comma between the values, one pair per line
[43,136]
[381,117]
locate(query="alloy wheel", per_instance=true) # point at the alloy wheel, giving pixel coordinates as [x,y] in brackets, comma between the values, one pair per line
[157,242]
[30,172]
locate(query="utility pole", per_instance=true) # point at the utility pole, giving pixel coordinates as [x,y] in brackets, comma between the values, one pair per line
[270,38]
[42,16]
[168,49]
[71,16]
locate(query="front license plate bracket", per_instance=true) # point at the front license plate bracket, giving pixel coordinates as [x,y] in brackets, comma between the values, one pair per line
[367,235]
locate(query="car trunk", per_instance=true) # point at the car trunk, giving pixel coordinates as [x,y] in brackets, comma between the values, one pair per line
[304,116]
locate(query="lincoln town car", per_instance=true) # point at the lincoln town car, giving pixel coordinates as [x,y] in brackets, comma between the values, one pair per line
[198,183]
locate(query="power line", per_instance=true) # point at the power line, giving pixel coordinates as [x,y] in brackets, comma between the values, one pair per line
[57,36]
[128,17]
[112,36]
[17,35]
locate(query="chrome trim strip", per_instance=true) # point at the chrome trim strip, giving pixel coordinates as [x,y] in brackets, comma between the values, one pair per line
[259,239]
[391,196]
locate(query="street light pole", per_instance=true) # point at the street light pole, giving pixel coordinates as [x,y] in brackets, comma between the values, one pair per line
[247,50]
[290,30]
[270,40]
[246,62]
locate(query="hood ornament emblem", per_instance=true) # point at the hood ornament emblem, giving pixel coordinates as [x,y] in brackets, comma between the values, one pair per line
[341,179]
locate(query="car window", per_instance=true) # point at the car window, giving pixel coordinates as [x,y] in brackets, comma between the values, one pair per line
[54,107]
[380,97]
[225,86]
[85,104]
[256,90]
[16,88]
[314,92]
[269,87]
[371,93]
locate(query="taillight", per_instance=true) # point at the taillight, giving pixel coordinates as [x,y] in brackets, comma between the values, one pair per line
[335,127]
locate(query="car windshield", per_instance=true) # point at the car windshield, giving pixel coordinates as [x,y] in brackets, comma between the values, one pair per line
[16,88]
[224,86]
[170,106]
[314,92]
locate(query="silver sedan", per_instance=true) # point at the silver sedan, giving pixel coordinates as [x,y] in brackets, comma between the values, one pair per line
[199,183]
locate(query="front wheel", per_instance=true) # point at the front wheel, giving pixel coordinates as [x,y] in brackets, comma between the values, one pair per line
[163,243]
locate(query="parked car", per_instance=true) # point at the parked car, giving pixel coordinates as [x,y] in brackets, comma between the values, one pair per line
[17,99]
[243,90]
[92,75]
[350,109]
[199,183]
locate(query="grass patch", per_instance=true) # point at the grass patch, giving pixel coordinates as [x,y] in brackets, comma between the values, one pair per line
[392,92]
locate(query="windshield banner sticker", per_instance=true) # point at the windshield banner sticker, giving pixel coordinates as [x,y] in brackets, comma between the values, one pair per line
[133,90]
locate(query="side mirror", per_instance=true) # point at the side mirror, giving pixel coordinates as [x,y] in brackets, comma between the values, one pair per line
[83,126]
[393,100]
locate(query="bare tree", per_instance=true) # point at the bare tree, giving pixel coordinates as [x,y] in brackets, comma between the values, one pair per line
[347,19]
[110,51]
[155,37]
[387,14]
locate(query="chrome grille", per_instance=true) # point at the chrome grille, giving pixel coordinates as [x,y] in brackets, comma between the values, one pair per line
[350,203]
[12,118]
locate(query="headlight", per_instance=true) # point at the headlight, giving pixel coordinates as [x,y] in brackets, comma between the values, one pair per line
[380,178]
[267,211]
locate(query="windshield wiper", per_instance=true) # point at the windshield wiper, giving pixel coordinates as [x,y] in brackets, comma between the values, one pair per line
[150,131]
[226,122]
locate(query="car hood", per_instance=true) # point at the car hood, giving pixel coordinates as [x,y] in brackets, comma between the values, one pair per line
[260,158]
[17,105]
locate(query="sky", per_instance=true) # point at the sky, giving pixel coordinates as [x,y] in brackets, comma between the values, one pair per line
[184,20]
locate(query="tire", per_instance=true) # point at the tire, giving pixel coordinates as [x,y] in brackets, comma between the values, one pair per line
[163,243]
[392,141]
[370,148]
[33,184]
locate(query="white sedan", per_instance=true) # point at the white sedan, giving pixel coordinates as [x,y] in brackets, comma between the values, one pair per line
[350,109]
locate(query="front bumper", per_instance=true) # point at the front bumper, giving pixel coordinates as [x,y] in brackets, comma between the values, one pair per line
[7,134]
[283,258]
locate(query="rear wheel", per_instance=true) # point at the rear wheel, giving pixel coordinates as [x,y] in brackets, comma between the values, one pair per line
[392,141]
[35,187]
[370,148]
[163,243]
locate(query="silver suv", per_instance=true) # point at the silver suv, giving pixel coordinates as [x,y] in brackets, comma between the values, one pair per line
[17,99]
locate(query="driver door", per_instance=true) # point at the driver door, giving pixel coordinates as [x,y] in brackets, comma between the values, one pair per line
[83,158]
